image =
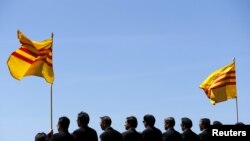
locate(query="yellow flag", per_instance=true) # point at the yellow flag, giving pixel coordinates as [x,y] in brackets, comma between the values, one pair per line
[32,58]
[221,84]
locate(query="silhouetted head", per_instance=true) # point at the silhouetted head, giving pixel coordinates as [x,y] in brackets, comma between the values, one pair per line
[169,122]
[149,120]
[131,122]
[186,123]
[83,119]
[105,122]
[239,123]
[217,123]
[204,123]
[40,136]
[63,123]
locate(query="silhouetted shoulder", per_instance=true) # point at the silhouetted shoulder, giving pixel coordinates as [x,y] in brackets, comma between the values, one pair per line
[171,135]
[85,134]
[131,135]
[62,136]
[205,135]
[189,135]
[111,134]
[152,133]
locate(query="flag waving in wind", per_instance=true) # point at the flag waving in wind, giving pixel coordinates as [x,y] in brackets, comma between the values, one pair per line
[221,84]
[32,58]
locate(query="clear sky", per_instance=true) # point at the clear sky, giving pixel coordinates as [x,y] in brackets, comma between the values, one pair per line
[122,58]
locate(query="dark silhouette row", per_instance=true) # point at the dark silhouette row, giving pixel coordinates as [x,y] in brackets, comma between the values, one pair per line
[150,133]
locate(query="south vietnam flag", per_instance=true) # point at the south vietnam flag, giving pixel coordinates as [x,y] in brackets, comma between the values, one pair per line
[220,85]
[32,58]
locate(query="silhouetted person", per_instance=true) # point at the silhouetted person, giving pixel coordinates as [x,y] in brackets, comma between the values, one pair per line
[171,134]
[84,132]
[239,123]
[63,133]
[131,134]
[205,134]
[217,123]
[188,134]
[41,137]
[109,133]
[151,133]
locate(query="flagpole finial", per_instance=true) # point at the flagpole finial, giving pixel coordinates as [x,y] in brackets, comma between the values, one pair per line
[52,35]
[18,32]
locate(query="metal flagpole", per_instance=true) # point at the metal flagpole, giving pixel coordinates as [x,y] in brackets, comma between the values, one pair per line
[51,108]
[51,100]
[236,99]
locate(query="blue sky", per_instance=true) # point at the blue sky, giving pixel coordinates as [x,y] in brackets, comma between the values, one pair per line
[122,58]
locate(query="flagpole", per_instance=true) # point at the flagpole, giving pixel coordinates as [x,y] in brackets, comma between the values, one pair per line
[51,108]
[236,102]
[51,98]
[237,115]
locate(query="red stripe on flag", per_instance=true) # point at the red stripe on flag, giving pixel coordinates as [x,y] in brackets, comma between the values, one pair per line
[225,78]
[50,57]
[45,49]
[27,44]
[28,52]
[227,73]
[44,60]
[223,85]
[48,63]
[43,54]
[22,57]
